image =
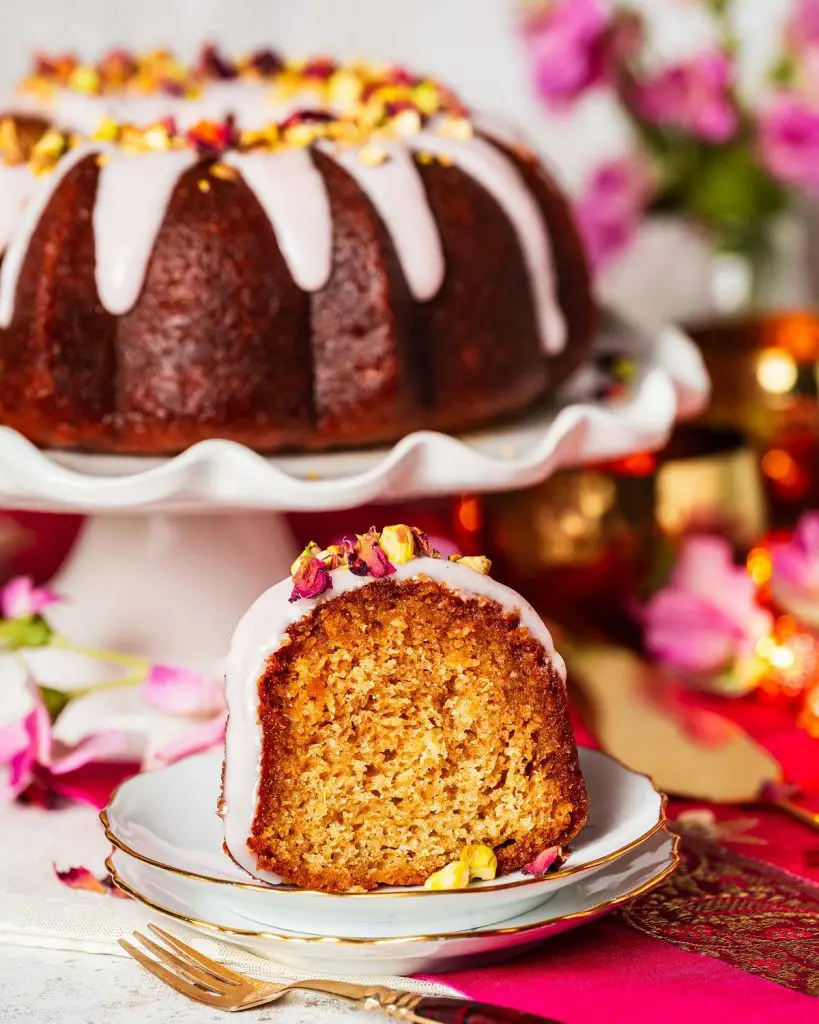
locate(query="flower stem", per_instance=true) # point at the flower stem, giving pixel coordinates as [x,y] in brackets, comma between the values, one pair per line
[132,679]
[98,654]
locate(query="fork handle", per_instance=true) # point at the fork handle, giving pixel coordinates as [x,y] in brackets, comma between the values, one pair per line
[445,1010]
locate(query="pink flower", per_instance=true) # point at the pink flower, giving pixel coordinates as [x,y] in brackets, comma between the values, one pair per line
[197,740]
[694,96]
[707,618]
[19,598]
[179,691]
[789,142]
[43,768]
[795,579]
[612,206]
[803,28]
[566,45]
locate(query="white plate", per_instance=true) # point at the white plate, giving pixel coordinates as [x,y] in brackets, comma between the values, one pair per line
[168,818]
[199,904]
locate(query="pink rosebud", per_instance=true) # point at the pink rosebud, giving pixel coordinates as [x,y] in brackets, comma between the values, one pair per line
[789,142]
[179,691]
[365,557]
[795,579]
[565,45]
[706,619]
[311,579]
[544,862]
[612,205]
[19,598]
[694,96]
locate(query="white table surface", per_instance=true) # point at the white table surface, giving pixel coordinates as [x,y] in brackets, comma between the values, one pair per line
[43,986]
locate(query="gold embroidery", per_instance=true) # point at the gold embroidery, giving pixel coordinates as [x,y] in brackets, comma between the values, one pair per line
[744,913]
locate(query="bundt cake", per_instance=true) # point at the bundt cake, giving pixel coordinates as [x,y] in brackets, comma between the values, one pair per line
[390,710]
[369,266]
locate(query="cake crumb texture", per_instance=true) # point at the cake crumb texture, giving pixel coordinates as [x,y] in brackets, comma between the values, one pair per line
[402,721]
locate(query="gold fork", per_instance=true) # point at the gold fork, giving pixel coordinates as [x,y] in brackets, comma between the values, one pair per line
[198,977]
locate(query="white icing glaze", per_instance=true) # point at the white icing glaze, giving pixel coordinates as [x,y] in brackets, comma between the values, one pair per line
[27,225]
[16,185]
[260,633]
[133,193]
[397,192]
[498,175]
[294,197]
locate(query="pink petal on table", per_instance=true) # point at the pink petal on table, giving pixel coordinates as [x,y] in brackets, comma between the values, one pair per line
[180,691]
[82,878]
[194,741]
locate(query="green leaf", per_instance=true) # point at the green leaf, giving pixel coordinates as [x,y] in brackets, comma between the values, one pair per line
[55,701]
[27,631]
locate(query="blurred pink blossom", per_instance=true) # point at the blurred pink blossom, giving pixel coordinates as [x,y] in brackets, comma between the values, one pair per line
[803,26]
[565,43]
[789,141]
[196,740]
[706,618]
[694,96]
[179,691]
[612,205]
[37,761]
[795,579]
[19,598]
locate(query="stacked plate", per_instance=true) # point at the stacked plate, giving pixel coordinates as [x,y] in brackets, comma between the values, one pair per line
[168,855]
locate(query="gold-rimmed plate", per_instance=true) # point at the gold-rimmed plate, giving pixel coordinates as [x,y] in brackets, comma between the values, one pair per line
[200,906]
[167,820]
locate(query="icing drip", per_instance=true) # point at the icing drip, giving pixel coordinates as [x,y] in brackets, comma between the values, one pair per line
[16,185]
[261,632]
[294,197]
[397,192]
[498,175]
[15,256]
[132,196]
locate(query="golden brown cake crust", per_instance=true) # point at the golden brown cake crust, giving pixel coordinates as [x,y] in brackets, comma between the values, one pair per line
[400,721]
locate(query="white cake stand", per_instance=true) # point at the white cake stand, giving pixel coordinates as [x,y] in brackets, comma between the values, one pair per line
[175,549]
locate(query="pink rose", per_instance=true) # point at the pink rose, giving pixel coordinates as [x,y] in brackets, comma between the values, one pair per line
[180,691]
[19,598]
[694,96]
[38,763]
[706,619]
[795,578]
[803,26]
[566,44]
[612,205]
[789,142]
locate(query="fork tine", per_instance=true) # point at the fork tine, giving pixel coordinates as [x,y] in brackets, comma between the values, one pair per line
[183,967]
[170,979]
[216,969]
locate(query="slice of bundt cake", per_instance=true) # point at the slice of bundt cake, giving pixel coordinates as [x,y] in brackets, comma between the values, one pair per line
[389,708]
[369,265]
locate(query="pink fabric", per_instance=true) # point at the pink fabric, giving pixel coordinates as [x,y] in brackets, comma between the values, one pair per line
[606,972]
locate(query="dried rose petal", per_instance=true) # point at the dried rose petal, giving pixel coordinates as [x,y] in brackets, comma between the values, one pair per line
[82,878]
[311,579]
[266,62]
[215,65]
[549,860]
[422,544]
[370,559]
[321,68]
[307,116]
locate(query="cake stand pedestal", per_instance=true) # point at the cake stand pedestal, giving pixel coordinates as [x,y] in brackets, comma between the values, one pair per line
[175,549]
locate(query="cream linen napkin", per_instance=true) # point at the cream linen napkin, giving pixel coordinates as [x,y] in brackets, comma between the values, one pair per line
[38,910]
